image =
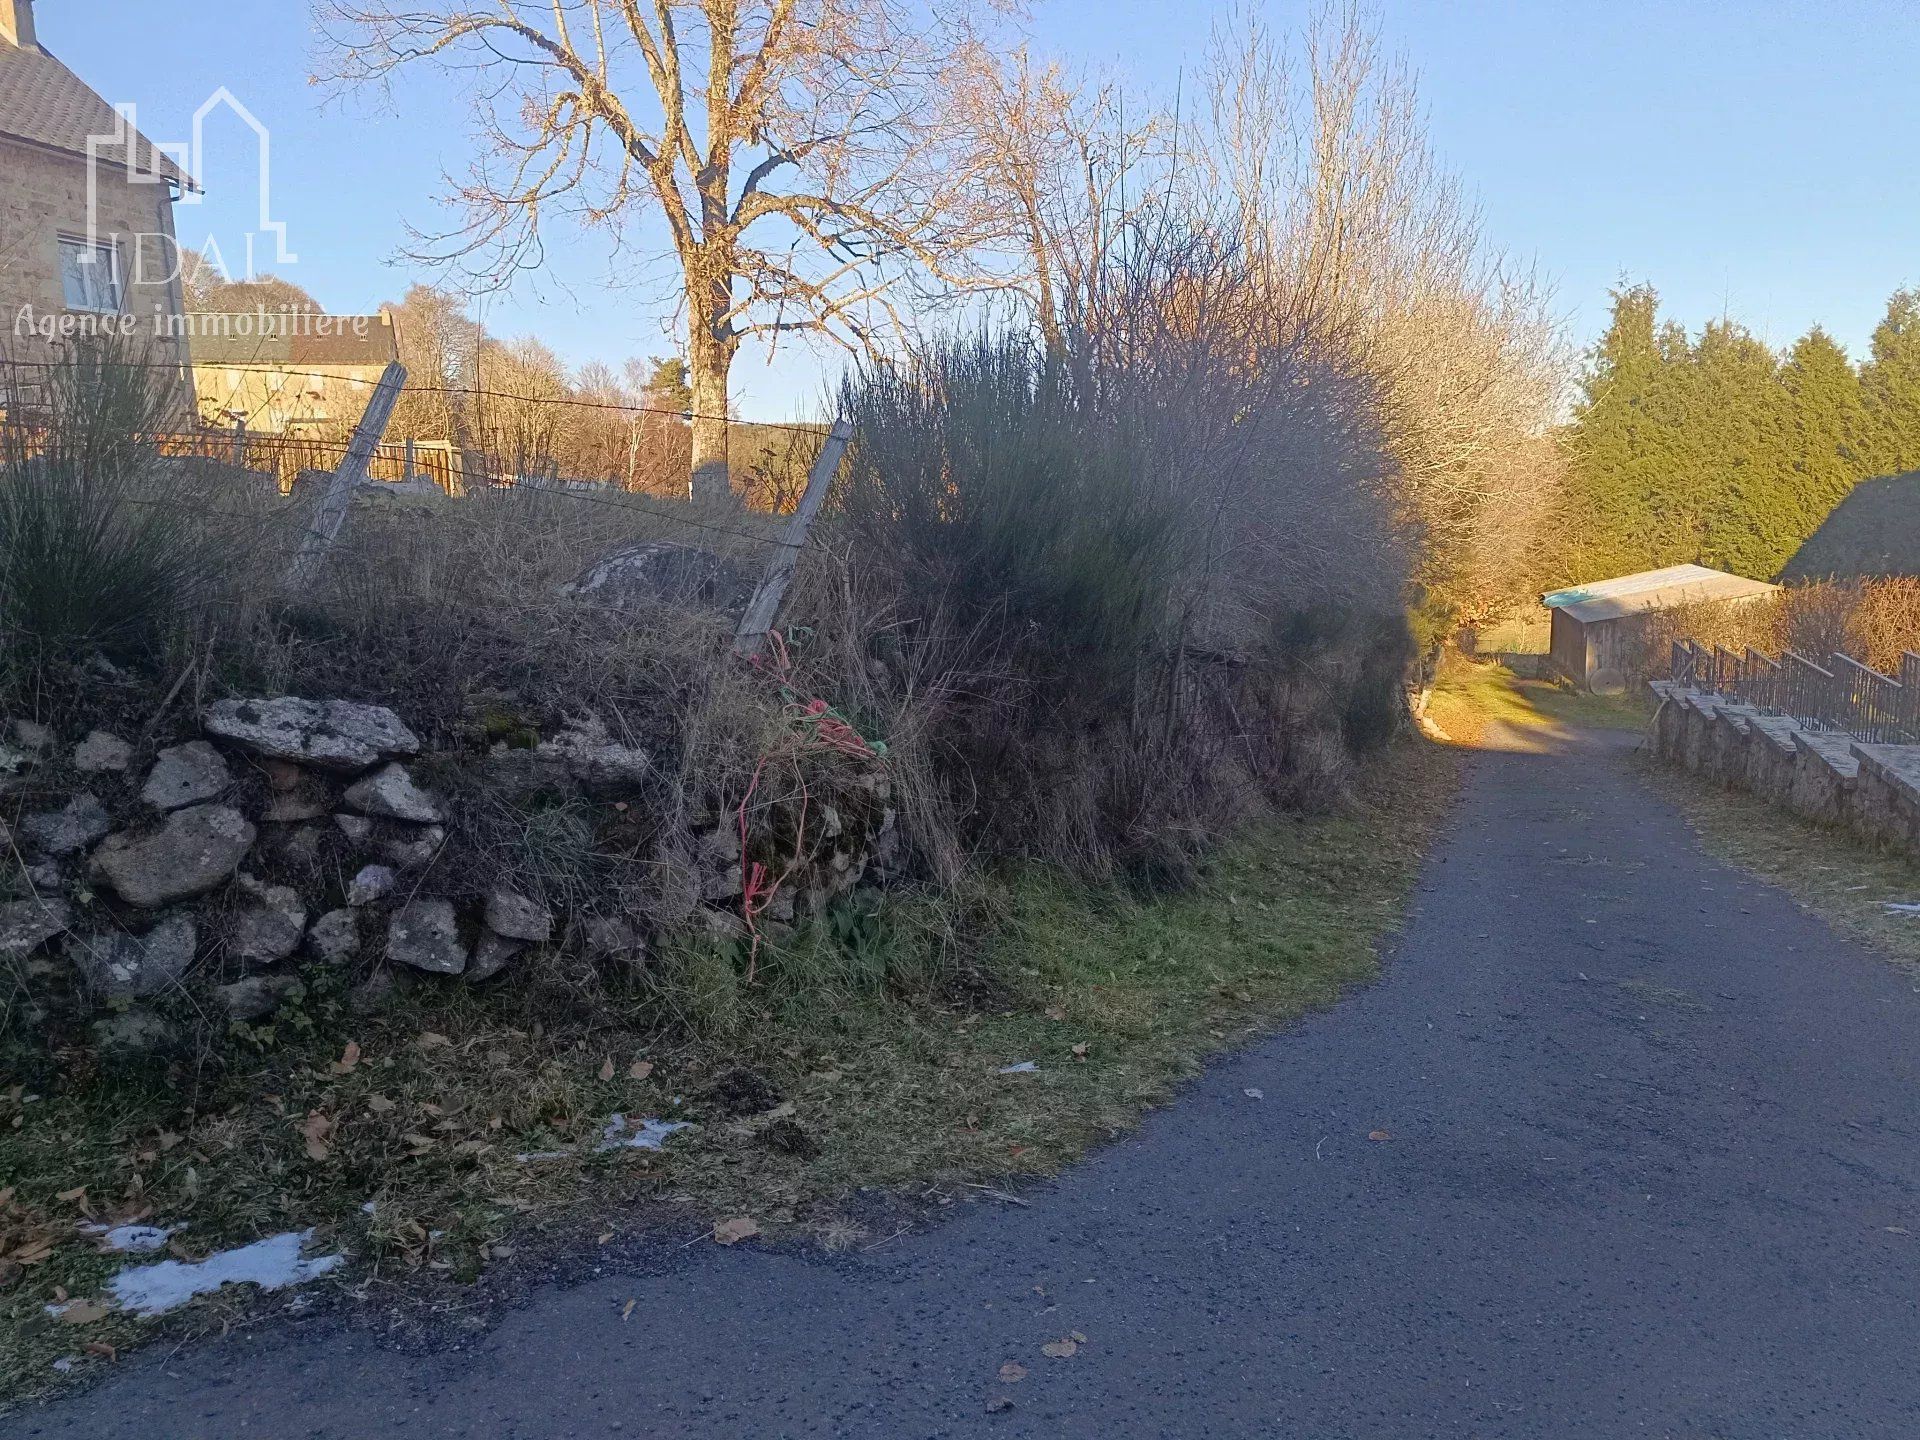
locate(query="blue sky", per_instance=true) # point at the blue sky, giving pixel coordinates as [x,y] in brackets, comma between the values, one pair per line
[1750,156]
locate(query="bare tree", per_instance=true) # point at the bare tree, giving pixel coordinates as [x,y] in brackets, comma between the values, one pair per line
[790,147]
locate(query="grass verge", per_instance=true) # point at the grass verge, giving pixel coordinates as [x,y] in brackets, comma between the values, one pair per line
[401,1135]
[1845,881]
[1472,696]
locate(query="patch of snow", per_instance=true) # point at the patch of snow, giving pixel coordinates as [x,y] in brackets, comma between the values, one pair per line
[272,1264]
[648,1135]
[1024,1067]
[1894,907]
[132,1239]
[64,1363]
[534,1157]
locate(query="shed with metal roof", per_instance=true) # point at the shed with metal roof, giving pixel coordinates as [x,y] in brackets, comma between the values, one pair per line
[1599,630]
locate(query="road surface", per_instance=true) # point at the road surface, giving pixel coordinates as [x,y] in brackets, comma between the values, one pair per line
[1655,1139]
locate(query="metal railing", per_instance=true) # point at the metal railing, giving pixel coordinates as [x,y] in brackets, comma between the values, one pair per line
[1842,695]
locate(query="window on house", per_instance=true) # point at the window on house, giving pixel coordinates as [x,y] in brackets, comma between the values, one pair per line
[90,276]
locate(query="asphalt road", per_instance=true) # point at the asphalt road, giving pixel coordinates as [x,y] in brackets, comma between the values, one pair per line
[1655,1145]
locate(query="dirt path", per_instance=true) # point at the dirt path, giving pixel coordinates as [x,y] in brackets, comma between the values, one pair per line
[1655,1140]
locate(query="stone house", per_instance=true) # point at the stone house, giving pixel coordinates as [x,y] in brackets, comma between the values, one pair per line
[86,217]
[289,372]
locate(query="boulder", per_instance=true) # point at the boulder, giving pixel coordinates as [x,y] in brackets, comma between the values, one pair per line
[492,955]
[192,852]
[101,751]
[355,827]
[660,572]
[613,939]
[411,852]
[26,925]
[62,832]
[338,735]
[270,929]
[515,917]
[593,757]
[132,1034]
[116,965]
[390,793]
[373,883]
[185,775]
[425,935]
[335,937]
[256,997]
[33,737]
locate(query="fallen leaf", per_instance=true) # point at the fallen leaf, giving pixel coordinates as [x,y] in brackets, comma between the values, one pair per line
[379,1104]
[732,1232]
[1060,1349]
[101,1350]
[1080,1051]
[316,1128]
[79,1192]
[1013,1372]
[605,1236]
[997,1404]
[349,1058]
[606,1070]
[639,1070]
[83,1312]
[429,1039]
[1076,1337]
[1056,1013]
[627,1309]
[1379,1135]
[1254,1093]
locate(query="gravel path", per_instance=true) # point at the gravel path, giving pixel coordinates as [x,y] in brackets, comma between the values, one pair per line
[1655,1139]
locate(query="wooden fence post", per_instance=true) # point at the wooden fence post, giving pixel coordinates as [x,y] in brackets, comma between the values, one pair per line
[764,608]
[332,509]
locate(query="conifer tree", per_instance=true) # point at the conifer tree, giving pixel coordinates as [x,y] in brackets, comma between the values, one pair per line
[1890,387]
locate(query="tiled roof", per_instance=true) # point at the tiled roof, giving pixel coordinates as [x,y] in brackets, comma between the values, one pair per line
[1652,590]
[44,103]
[291,339]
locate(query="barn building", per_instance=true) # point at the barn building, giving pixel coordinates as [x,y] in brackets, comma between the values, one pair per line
[1600,631]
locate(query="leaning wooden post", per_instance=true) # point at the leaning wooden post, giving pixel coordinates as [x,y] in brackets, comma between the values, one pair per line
[329,514]
[764,607]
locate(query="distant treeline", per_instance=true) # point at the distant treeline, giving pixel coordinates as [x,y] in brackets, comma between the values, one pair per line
[1715,448]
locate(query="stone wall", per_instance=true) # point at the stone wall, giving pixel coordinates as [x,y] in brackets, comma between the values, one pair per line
[1822,776]
[294,842]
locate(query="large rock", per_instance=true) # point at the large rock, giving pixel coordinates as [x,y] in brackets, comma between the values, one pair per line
[492,955]
[335,937]
[195,850]
[411,852]
[426,936]
[391,793]
[372,884]
[269,930]
[26,925]
[185,775]
[133,1034]
[514,916]
[82,821]
[101,751]
[614,940]
[116,965]
[595,758]
[256,997]
[339,735]
[659,572]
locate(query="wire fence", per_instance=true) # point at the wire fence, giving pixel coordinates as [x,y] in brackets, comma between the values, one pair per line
[1843,695]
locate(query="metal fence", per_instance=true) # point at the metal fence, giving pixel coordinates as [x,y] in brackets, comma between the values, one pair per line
[1842,695]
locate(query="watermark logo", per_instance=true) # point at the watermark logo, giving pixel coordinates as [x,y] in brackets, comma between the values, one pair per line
[119,157]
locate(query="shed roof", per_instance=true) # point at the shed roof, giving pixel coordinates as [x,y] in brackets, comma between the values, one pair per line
[43,103]
[1666,589]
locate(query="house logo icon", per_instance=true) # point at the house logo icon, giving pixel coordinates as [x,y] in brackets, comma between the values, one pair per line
[125,147]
